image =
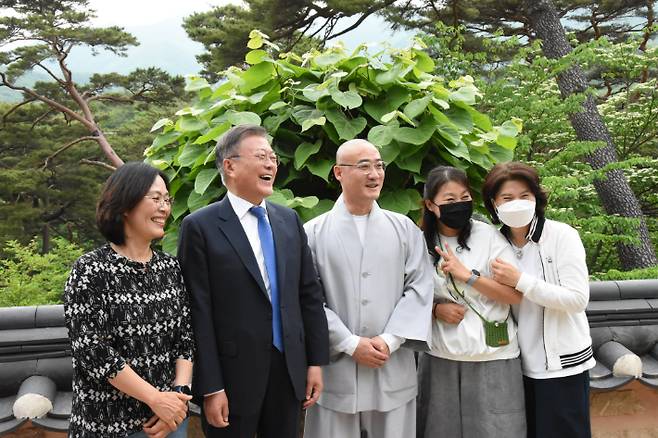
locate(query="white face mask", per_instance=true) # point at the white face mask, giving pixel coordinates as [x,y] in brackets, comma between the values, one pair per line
[517,213]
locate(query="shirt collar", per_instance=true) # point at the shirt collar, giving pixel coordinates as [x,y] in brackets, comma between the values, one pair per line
[241,206]
[534,232]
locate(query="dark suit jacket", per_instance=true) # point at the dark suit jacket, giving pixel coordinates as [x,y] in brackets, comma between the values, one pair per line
[232,313]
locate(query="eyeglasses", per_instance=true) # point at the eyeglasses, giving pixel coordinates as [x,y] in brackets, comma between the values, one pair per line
[367,166]
[161,201]
[262,157]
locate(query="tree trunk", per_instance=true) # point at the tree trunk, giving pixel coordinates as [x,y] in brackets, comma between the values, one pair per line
[614,191]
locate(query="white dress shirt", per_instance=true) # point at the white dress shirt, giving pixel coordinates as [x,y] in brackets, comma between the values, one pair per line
[249,224]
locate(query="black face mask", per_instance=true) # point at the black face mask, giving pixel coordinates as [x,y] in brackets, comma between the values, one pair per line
[456,215]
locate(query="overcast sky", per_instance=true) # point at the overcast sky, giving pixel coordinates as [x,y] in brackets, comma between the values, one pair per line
[145,12]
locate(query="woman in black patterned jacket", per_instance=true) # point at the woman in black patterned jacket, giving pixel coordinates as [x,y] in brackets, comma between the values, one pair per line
[128,317]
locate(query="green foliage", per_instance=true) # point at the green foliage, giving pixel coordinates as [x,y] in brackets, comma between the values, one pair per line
[636,274]
[60,200]
[29,278]
[310,104]
[525,88]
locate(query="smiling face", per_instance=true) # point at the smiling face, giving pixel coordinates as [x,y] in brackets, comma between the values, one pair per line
[448,193]
[147,219]
[511,190]
[359,187]
[247,176]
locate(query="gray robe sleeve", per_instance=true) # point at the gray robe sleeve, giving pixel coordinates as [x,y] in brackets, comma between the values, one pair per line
[412,317]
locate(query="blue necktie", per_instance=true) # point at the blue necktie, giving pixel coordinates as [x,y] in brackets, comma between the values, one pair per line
[269,254]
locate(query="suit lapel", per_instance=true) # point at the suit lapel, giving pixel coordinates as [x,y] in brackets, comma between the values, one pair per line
[232,229]
[280,243]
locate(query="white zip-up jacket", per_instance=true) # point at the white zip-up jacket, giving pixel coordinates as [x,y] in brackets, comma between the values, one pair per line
[563,292]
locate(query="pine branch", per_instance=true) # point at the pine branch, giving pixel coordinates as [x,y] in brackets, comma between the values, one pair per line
[65,147]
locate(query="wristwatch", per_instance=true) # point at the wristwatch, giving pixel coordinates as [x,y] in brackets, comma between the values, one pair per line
[183,389]
[475,274]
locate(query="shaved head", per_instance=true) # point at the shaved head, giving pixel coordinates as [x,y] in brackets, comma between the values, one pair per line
[352,147]
[361,185]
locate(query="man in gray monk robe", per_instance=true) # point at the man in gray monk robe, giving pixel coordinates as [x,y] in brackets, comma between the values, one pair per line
[377,280]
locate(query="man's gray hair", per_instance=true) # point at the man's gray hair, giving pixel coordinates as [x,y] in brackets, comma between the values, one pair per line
[229,142]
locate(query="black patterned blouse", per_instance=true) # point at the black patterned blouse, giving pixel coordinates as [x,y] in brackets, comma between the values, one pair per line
[120,312]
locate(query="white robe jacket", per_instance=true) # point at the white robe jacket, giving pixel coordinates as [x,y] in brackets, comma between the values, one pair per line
[384,286]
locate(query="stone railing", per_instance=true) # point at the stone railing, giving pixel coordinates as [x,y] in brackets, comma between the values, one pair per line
[36,370]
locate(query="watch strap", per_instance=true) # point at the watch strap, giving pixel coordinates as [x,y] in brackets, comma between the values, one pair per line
[473,278]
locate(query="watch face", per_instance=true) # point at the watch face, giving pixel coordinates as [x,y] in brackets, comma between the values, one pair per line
[184,389]
[476,272]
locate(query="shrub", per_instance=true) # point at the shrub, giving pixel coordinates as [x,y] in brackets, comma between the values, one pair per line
[29,278]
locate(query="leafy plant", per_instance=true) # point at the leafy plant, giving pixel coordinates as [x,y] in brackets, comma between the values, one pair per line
[312,103]
[29,278]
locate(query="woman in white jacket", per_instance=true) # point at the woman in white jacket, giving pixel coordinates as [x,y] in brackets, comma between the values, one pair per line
[470,382]
[556,348]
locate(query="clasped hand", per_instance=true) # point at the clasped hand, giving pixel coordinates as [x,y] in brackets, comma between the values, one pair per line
[170,409]
[505,273]
[371,352]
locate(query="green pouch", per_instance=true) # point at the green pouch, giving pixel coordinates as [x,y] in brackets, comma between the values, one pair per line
[495,333]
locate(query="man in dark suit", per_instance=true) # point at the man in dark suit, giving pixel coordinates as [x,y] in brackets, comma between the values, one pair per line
[257,305]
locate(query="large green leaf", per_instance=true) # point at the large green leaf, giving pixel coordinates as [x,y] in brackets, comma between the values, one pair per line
[423,61]
[162,122]
[304,151]
[461,118]
[195,83]
[287,198]
[320,168]
[272,123]
[417,136]
[347,129]
[203,180]
[165,139]
[196,201]
[395,200]
[416,107]
[256,76]
[170,241]
[411,163]
[386,102]
[381,135]
[243,118]
[323,206]
[256,56]
[390,152]
[190,124]
[308,116]
[326,59]
[465,94]
[314,93]
[191,152]
[391,75]
[213,134]
[347,99]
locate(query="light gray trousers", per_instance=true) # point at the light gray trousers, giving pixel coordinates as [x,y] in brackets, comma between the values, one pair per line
[325,423]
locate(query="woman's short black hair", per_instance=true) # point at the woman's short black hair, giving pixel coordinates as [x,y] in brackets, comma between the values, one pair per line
[513,171]
[122,191]
[437,178]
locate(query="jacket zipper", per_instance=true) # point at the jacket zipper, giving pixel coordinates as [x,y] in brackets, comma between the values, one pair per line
[543,313]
